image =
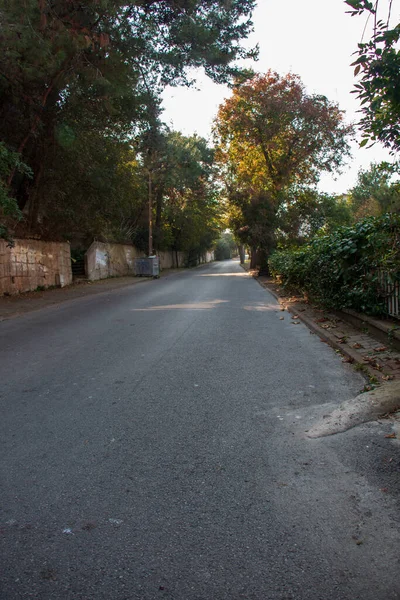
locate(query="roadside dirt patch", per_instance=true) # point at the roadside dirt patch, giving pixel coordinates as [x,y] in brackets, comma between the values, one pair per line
[19,304]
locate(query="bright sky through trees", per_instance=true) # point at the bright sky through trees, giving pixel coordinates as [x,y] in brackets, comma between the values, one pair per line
[315,39]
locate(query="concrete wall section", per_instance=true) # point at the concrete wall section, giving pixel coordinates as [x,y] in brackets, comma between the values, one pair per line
[110,260]
[172,259]
[116,260]
[33,263]
[209,256]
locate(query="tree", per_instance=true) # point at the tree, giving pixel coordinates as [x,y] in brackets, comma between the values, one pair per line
[189,217]
[108,59]
[272,135]
[307,213]
[375,192]
[226,246]
[92,187]
[181,172]
[378,89]
[9,211]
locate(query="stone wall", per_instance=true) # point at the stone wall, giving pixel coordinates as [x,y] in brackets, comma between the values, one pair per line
[32,263]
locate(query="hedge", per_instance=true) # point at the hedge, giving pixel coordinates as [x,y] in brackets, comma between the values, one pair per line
[345,269]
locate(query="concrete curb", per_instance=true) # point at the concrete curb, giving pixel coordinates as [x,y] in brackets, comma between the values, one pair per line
[350,354]
[388,332]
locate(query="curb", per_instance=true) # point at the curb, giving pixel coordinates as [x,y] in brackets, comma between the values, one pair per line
[388,332]
[353,357]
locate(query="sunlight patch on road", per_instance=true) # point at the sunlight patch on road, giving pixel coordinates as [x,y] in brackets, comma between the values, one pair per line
[207,305]
[244,274]
[260,307]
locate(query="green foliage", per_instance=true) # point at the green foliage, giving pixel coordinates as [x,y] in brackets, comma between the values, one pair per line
[225,247]
[378,89]
[185,196]
[77,79]
[344,269]
[9,210]
[273,137]
[305,213]
[376,192]
[91,188]
[222,250]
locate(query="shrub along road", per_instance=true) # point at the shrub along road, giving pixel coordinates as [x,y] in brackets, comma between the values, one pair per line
[154,445]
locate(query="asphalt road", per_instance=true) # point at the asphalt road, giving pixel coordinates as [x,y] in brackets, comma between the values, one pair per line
[153,446]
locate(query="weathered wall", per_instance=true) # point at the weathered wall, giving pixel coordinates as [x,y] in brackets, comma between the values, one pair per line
[110,260]
[172,260]
[33,263]
[209,256]
[116,260]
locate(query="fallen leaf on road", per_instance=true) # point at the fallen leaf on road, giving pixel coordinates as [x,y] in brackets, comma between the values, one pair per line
[380,349]
[295,316]
[387,377]
[390,436]
[281,318]
[322,320]
[295,322]
[357,345]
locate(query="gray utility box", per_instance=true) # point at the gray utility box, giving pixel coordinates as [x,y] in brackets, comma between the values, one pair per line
[147,267]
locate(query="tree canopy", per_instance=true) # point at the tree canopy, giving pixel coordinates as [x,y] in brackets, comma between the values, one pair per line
[271,136]
[78,77]
[376,192]
[378,65]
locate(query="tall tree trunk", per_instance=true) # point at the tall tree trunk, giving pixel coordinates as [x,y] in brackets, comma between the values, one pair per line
[51,93]
[36,150]
[263,262]
[242,254]
[253,257]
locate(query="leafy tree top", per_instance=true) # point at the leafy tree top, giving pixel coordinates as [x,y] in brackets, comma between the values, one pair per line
[287,134]
[378,89]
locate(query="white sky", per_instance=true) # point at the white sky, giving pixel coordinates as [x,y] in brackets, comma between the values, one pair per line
[312,38]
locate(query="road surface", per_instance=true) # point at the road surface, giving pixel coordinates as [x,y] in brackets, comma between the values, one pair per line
[153,446]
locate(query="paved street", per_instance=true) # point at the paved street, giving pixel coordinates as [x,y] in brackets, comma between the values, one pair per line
[153,446]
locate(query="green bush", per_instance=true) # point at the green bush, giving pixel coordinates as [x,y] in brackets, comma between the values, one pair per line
[344,269]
